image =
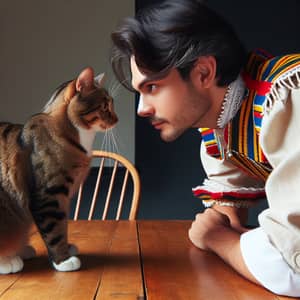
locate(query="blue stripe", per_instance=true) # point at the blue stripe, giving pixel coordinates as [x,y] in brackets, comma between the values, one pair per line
[208,137]
[278,70]
[259,100]
[269,68]
[257,122]
[250,142]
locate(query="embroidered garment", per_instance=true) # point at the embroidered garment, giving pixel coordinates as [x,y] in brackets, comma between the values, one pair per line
[266,79]
[265,135]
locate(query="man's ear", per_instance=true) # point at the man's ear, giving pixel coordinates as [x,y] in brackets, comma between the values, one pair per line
[204,71]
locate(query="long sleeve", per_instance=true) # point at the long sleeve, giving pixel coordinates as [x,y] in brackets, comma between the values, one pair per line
[272,251]
[281,143]
[226,184]
[275,260]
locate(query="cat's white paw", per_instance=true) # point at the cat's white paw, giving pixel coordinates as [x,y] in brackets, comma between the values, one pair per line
[10,264]
[73,250]
[71,264]
[27,252]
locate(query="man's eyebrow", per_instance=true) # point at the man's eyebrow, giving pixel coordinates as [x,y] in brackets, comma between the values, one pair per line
[147,80]
[143,83]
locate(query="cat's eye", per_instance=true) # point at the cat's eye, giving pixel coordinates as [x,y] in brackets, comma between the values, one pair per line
[104,106]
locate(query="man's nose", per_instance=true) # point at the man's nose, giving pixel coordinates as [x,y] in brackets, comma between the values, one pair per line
[144,109]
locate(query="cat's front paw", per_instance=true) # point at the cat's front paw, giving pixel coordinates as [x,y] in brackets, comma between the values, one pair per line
[71,264]
[10,264]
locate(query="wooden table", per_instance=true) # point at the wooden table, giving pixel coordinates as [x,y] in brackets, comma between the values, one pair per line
[131,260]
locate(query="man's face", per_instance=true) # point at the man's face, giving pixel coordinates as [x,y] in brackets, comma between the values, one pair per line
[171,104]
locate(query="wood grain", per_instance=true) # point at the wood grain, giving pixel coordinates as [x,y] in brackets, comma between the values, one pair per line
[122,276]
[39,281]
[175,269]
[126,260]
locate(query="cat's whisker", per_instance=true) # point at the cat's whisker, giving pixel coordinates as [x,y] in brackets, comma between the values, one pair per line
[117,87]
[118,138]
[103,142]
[111,142]
[116,91]
[106,142]
[112,87]
[115,142]
[111,148]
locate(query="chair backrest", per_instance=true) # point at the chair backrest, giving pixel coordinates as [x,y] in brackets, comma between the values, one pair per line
[119,164]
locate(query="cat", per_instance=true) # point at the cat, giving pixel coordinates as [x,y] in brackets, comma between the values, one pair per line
[42,164]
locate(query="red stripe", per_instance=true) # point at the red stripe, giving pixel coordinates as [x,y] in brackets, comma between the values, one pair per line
[226,134]
[263,157]
[220,195]
[257,114]
[212,149]
[261,87]
[206,132]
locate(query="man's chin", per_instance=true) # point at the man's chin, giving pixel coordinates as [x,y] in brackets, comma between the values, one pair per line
[171,136]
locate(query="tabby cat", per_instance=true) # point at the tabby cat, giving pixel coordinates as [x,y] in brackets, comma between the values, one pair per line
[42,164]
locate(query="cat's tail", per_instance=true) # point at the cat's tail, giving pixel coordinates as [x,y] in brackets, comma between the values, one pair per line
[14,227]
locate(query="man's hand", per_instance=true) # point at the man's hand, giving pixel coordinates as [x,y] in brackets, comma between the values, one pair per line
[212,231]
[207,224]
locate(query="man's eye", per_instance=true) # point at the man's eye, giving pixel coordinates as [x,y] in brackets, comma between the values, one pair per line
[151,88]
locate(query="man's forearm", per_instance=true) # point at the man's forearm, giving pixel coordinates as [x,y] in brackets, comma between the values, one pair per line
[226,243]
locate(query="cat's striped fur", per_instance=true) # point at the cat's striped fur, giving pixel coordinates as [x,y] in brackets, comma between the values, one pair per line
[41,166]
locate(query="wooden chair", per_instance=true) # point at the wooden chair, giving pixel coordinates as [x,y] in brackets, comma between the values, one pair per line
[120,164]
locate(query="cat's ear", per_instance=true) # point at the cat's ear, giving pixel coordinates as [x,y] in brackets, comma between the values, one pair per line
[99,79]
[85,80]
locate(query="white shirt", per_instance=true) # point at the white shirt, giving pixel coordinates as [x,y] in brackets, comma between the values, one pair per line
[272,252]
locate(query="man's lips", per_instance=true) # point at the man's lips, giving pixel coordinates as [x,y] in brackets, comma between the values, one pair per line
[157,125]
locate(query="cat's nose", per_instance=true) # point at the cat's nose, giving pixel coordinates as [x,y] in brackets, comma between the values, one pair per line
[144,110]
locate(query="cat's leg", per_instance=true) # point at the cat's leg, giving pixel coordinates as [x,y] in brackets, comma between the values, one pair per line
[14,228]
[27,252]
[52,222]
[73,249]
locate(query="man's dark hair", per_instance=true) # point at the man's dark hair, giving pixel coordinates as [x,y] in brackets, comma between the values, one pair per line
[174,34]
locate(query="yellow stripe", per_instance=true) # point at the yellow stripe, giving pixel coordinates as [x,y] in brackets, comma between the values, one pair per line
[258,108]
[281,62]
[296,64]
[203,129]
[255,144]
[243,123]
[254,168]
[212,142]
[240,141]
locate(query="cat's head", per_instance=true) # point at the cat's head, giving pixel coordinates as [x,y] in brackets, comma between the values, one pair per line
[87,104]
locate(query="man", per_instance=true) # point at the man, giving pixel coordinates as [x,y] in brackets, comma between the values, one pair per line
[191,70]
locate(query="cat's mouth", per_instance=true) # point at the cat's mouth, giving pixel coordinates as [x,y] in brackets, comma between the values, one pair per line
[110,125]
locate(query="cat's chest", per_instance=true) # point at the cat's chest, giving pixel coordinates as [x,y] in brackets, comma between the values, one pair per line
[86,139]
